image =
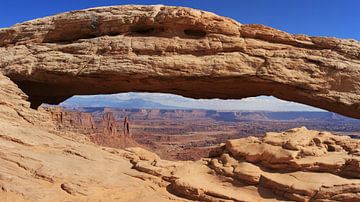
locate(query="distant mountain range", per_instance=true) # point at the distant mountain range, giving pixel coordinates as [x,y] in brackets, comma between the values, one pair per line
[135,103]
[133,100]
[112,102]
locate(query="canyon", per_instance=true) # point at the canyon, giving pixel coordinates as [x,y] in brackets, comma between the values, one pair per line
[187,52]
[177,134]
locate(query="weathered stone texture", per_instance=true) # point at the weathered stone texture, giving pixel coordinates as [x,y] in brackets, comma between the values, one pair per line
[177,50]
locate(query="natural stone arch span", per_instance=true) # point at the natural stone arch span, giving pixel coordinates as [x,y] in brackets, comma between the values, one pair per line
[177,50]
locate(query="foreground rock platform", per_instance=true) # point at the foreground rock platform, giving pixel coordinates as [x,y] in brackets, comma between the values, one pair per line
[39,163]
[177,50]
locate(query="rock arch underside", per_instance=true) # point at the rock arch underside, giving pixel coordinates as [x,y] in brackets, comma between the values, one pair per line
[187,52]
[177,50]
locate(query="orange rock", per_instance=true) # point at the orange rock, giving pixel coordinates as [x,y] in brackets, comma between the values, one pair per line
[142,48]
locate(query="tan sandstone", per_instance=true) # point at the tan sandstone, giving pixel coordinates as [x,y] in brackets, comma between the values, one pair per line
[177,50]
[38,163]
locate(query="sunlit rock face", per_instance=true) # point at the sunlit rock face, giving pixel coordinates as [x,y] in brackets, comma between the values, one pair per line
[40,163]
[298,164]
[177,50]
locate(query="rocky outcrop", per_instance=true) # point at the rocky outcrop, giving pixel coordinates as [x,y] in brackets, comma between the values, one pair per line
[276,167]
[72,119]
[104,130]
[250,169]
[177,50]
[298,164]
[14,107]
[39,163]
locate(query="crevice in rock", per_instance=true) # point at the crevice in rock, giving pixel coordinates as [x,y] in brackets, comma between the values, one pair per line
[143,30]
[195,33]
[76,154]
[12,139]
[43,177]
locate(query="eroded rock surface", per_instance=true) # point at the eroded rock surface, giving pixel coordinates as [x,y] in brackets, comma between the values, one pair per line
[177,50]
[104,131]
[298,164]
[39,163]
[256,169]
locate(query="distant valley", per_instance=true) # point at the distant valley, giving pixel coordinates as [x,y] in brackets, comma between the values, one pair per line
[232,116]
[188,134]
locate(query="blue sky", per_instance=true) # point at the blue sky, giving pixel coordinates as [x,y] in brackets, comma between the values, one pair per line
[338,18]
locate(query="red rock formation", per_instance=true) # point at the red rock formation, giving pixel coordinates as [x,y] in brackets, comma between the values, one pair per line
[73,119]
[126,127]
[109,124]
[106,131]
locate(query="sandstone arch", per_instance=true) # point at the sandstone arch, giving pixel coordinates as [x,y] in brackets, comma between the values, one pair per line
[177,50]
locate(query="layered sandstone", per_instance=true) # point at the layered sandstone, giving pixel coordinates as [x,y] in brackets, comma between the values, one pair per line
[177,50]
[296,165]
[39,163]
[106,131]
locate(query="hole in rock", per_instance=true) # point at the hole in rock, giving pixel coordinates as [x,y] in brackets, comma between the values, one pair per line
[114,33]
[181,128]
[143,30]
[195,32]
